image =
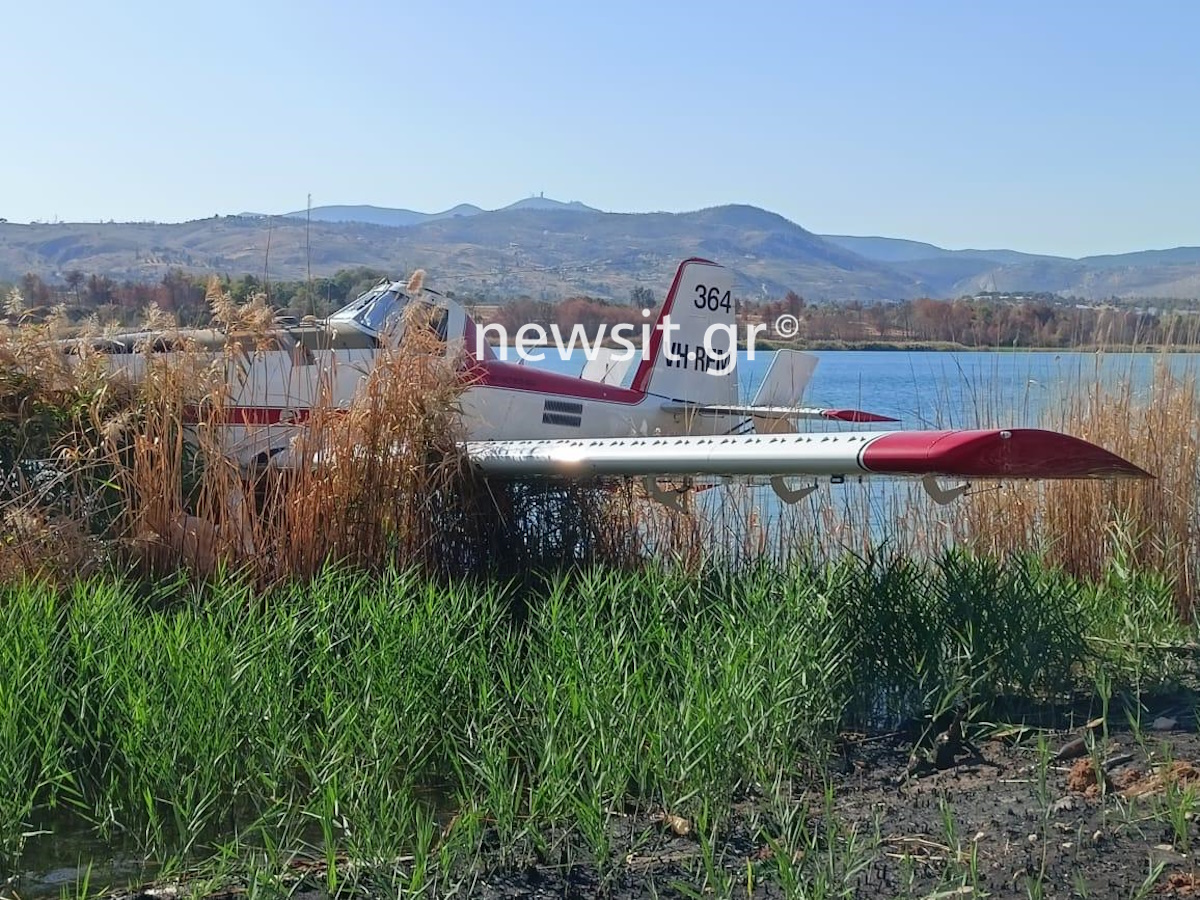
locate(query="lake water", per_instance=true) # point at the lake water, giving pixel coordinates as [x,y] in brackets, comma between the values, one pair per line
[925,389]
[922,389]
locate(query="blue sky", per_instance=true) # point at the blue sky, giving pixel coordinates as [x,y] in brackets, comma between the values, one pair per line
[1057,127]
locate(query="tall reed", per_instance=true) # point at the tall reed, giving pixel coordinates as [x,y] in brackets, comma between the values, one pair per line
[99,468]
[132,462]
[1087,526]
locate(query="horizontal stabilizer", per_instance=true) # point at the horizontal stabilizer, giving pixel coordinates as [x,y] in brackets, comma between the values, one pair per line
[1021,453]
[778,412]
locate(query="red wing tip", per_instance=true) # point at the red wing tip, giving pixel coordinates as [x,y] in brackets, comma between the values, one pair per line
[856,415]
[1016,453]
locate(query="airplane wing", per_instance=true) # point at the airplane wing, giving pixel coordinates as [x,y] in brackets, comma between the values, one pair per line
[777,412]
[1018,453]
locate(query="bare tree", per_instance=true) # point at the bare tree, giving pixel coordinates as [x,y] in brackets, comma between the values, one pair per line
[75,280]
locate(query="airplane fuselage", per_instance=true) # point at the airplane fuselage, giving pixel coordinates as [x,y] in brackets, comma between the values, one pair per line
[524,420]
[274,384]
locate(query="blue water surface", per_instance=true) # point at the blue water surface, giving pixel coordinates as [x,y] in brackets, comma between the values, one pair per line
[939,389]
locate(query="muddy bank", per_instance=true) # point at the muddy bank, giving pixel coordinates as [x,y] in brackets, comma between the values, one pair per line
[1079,813]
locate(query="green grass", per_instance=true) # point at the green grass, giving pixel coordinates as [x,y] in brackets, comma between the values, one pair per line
[415,725]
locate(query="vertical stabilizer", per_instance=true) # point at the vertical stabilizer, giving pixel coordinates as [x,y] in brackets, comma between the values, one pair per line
[693,348]
[786,379]
[783,386]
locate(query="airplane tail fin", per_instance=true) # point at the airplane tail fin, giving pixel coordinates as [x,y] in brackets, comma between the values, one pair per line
[783,386]
[786,379]
[693,347]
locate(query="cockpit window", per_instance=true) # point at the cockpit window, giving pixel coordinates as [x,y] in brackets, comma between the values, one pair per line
[384,311]
[376,311]
[437,319]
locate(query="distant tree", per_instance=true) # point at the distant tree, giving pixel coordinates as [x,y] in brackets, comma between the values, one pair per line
[75,280]
[35,291]
[879,316]
[641,298]
[99,290]
[349,283]
[244,288]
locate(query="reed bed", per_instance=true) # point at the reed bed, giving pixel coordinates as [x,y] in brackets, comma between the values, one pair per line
[1090,527]
[97,470]
[107,463]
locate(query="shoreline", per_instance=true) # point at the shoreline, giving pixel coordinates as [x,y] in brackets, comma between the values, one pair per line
[948,347]
[918,347]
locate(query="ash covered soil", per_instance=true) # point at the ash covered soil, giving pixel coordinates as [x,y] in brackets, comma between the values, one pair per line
[1010,813]
[1075,814]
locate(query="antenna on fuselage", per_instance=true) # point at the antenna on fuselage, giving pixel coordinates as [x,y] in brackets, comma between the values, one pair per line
[312,301]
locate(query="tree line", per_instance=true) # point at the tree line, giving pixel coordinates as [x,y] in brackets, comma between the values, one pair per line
[983,321]
[125,302]
[970,322]
[986,321]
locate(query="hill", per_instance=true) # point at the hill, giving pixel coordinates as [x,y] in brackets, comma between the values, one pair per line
[899,250]
[404,218]
[378,215]
[537,251]
[949,273]
[546,248]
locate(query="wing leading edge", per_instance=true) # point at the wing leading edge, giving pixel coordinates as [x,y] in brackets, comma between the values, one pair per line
[1018,453]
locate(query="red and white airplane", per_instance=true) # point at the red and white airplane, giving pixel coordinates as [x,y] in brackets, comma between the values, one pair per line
[680,414]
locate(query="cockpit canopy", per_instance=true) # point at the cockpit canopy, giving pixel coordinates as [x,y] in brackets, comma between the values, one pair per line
[380,312]
[376,311]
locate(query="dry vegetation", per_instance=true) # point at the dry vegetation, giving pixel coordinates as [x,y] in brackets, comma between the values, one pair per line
[97,469]
[1086,526]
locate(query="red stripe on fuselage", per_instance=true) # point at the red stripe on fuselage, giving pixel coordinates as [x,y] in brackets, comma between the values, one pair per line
[247,415]
[509,376]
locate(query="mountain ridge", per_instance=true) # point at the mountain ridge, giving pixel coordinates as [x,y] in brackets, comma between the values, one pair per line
[404,218]
[544,247]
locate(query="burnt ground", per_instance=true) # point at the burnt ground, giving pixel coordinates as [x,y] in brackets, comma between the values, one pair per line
[1079,813]
[986,824]
[1110,817]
